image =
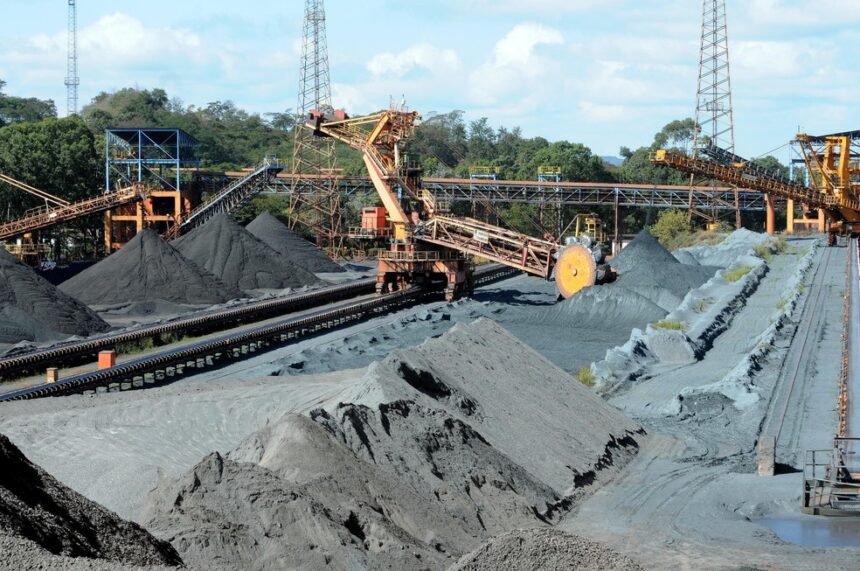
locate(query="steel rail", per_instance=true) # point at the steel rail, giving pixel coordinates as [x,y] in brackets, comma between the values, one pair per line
[213,352]
[813,308]
[201,323]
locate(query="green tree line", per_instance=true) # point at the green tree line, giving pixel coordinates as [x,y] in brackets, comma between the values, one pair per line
[65,156]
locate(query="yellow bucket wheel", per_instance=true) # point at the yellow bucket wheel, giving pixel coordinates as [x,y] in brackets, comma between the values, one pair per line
[575,270]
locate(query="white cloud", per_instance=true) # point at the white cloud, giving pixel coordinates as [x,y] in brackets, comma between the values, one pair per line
[599,113]
[119,40]
[802,12]
[426,56]
[769,59]
[514,63]
[544,6]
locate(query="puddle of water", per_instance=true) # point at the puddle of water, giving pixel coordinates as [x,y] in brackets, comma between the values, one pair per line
[812,531]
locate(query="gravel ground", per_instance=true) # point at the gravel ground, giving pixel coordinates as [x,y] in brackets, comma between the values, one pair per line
[544,549]
[410,467]
[689,500]
[36,508]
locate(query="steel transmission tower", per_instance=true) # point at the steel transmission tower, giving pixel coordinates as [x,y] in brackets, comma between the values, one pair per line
[319,210]
[72,79]
[714,116]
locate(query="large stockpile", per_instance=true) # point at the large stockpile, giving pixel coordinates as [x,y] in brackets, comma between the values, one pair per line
[40,517]
[577,331]
[147,269]
[239,259]
[724,254]
[434,451]
[544,549]
[296,249]
[647,268]
[651,283]
[31,309]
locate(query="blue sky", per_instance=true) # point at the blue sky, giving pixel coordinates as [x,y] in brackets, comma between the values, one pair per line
[605,73]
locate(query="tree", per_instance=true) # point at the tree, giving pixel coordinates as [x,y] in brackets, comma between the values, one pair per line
[678,133]
[482,142]
[773,165]
[55,155]
[443,137]
[576,161]
[637,167]
[19,110]
[281,121]
[670,225]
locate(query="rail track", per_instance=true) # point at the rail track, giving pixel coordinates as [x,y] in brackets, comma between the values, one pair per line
[218,351]
[79,352]
[810,324]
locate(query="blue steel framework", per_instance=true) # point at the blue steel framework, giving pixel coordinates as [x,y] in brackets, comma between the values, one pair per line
[153,156]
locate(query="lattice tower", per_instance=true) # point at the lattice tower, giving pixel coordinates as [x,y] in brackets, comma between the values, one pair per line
[319,210]
[72,79]
[714,115]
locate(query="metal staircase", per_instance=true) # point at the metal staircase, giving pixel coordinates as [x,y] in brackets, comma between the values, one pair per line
[233,196]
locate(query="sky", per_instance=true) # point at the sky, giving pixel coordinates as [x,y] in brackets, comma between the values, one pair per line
[605,73]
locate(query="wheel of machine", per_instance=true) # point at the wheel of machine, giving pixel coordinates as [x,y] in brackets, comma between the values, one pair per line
[575,270]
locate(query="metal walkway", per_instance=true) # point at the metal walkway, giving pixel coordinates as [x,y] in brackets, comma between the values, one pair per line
[47,216]
[534,192]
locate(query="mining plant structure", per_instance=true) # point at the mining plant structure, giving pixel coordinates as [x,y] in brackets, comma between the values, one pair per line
[833,183]
[427,244]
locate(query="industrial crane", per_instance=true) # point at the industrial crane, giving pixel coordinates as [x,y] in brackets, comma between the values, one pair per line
[56,210]
[832,163]
[426,242]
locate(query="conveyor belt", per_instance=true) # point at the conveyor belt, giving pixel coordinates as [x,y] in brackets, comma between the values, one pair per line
[220,350]
[200,324]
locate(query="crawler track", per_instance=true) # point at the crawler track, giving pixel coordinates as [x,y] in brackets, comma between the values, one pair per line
[218,351]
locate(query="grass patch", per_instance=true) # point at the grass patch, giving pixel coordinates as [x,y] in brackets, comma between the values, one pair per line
[585,376]
[766,250]
[670,324]
[737,274]
[134,347]
[149,343]
[690,239]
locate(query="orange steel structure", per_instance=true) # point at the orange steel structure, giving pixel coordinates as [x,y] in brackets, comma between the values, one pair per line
[427,244]
[833,181]
[56,210]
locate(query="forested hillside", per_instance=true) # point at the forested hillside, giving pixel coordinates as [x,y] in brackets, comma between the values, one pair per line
[65,156]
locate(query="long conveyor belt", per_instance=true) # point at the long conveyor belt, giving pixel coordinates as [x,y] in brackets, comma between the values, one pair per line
[218,351]
[199,324]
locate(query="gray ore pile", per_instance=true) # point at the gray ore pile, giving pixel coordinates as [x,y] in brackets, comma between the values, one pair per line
[293,247]
[651,283]
[239,259]
[147,269]
[546,550]
[31,309]
[40,519]
[436,450]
